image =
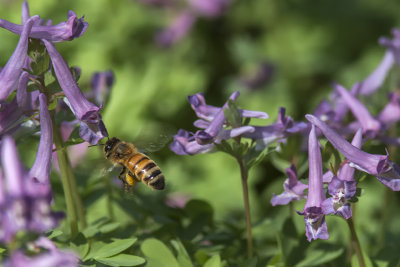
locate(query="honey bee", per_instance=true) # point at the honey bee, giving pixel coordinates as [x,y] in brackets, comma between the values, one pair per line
[136,166]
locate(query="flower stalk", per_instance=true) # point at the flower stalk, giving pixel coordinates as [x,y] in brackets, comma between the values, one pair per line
[244,173]
[66,177]
[356,243]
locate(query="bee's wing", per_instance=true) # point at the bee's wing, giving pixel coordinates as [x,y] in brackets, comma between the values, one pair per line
[153,138]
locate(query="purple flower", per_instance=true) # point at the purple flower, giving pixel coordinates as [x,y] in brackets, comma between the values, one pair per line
[26,204]
[293,189]
[393,46]
[386,171]
[92,128]
[208,112]
[391,112]
[64,31]
[49,257]
[276,132]
[178,29]
[314,217]
[185,144]
[370,125]
[101,84]
[343,187]
[214,124]
[208,8]
[12,70]
[40,170]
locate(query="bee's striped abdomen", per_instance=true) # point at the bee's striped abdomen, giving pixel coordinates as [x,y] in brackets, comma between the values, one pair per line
[146,170]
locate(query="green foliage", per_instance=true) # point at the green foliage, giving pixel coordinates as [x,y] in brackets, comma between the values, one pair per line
[309,43]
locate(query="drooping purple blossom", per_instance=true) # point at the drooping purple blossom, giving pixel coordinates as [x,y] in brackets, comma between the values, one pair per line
[343,187]
[391,112]
[370,125]
[46,255]
[293,189]
[101,84]
[26,203]
[386,171]
[68,30]
[40,170]
[276,132]
[314,217]
[11,72]
[92,128]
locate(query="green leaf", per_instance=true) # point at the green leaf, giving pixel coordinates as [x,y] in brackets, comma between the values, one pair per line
[214,261]
[38,53]
[80,245]
[55,233]
[317,257]
[183,257]
[255,161]
[232,115]
[157,254]
[122,260]
[109,227]
[224,146]
[114,248]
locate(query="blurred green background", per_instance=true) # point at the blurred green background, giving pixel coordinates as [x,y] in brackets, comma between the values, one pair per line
[309,44]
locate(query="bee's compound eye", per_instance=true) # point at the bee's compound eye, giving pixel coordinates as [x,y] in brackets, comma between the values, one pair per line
[108,147]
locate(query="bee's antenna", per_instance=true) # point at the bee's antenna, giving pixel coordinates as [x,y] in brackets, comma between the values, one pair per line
[96,145]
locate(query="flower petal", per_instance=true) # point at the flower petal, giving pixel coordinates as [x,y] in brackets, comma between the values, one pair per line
[13,69]
[370,163]
[40,170]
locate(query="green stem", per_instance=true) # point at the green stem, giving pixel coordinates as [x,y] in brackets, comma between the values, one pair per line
[356,243]
[76,196]
[63,163]
[244,172]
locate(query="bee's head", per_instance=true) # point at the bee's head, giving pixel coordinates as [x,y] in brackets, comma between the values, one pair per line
[110,144]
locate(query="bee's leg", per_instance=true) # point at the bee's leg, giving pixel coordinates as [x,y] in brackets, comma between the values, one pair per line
[122,176]
[130,180]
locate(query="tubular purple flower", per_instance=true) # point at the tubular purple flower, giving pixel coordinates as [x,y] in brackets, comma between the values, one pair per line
[208,112]
[92,128]
[40,170]
[13,69]
[293,189]
[64,31]
[209,135]
[393,46]
[177,30]
[25,12]
[13,169]
[314,217]
[101,84]
[370,163]
[346,172]
[276,132]
[368,123]
[391,112]
[185,144]
[375,80]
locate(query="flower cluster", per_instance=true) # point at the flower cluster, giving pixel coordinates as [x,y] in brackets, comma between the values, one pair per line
[329,119]
[17,72]
[215,128]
